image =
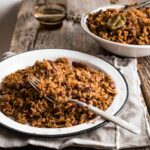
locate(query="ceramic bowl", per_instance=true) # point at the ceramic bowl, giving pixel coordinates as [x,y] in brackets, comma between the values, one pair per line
[126,50]
[28,58]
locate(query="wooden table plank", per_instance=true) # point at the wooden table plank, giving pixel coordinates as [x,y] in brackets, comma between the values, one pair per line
[26,29]
[144,73]
[29,35]
[34,38]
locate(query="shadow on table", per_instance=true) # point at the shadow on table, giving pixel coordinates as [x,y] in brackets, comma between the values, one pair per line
[8,17]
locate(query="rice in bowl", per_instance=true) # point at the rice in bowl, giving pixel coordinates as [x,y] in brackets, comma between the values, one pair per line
[62,80]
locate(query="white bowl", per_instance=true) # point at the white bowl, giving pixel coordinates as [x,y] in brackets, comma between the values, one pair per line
[28,58]
[127,50]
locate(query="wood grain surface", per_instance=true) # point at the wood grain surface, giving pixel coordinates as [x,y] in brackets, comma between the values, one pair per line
[29,35]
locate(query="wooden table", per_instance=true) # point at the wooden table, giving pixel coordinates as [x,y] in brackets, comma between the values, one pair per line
[28,35]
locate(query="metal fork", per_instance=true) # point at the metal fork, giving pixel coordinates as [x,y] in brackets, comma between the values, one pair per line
[138,5]
[118,21]
[126,125]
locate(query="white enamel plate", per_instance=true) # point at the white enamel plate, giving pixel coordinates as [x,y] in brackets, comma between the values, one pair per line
[25,59]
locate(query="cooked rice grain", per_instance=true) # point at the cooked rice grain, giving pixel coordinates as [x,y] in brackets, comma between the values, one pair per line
[62,81]
[135,31]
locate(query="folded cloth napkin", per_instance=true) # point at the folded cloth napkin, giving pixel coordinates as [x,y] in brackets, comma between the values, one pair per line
[110,136]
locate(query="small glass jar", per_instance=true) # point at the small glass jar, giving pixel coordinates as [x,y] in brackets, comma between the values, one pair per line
[50,12]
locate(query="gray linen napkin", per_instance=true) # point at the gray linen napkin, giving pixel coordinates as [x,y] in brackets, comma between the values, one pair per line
[110,136]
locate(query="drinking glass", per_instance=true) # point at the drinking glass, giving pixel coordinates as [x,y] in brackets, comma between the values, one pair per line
[50,12]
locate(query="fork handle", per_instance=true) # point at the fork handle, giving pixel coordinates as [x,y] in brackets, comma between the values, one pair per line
[142,4]
[126,125]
